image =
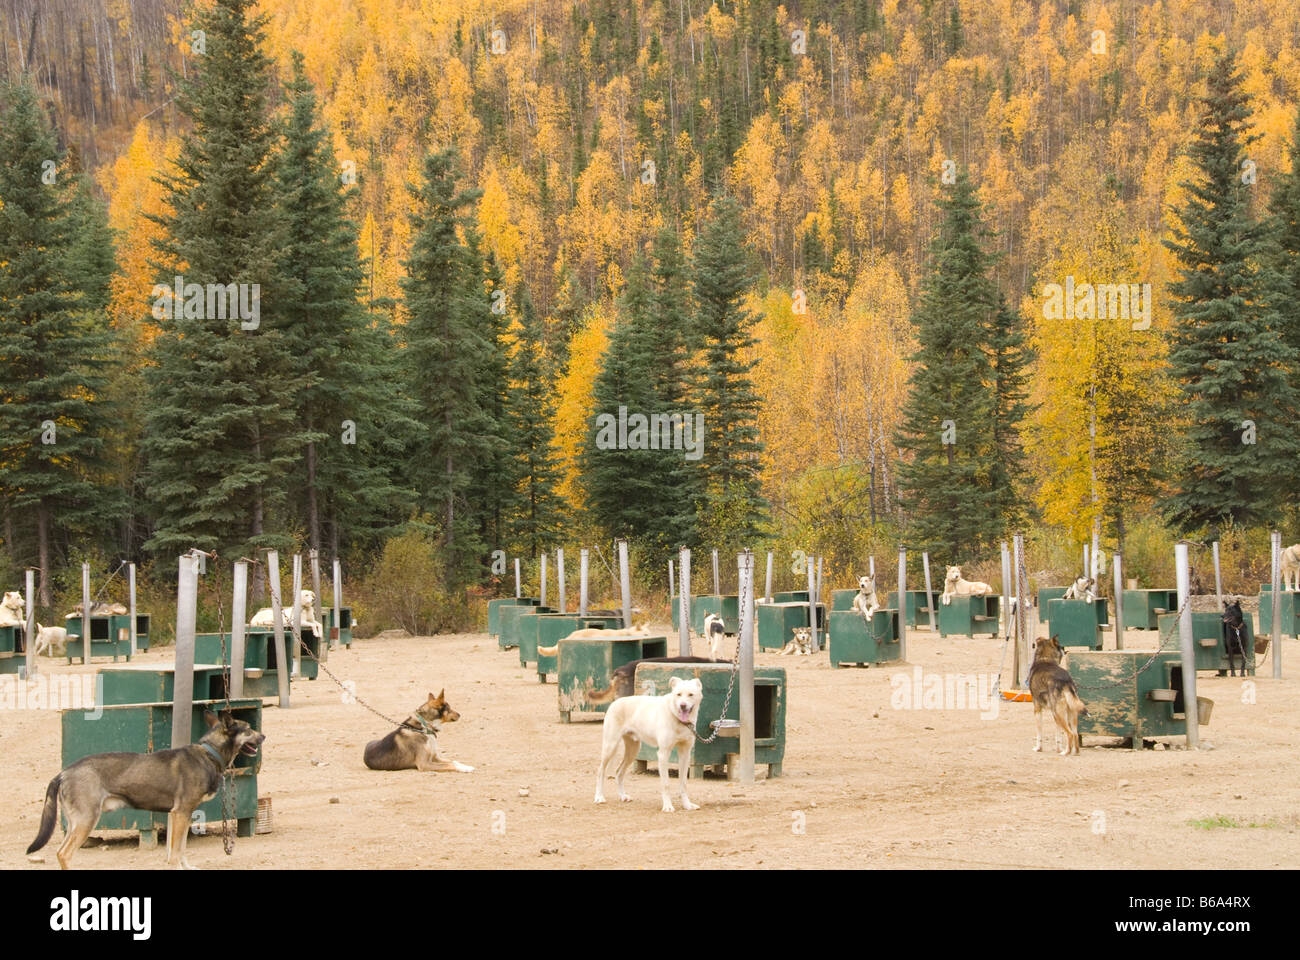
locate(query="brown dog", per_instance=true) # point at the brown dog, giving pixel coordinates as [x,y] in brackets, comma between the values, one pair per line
[414,745]
[1054,689]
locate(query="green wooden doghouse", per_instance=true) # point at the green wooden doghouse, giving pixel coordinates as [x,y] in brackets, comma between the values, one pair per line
[587,664]
[1133,694]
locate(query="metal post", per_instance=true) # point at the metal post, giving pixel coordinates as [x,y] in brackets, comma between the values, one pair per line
[767,592]
[296,618]
[1094,572]
[684,603]
[1218,578]
[717,583]
[130,587]
[746,679]
[1118,571]
[187,598]
[338,602]
[812,604]
[238,619]
[1007,591]
[277,616]
[625,584]
[902,603]
[318,608]
[582,583]
[518,585]
[672,583]
[1085,561]
[543,579]
[817,595]
[29,635]
[929,600]
[559,573]
[1276,632]
[85,613]
[871,566]
[1022,645]
[1187,645]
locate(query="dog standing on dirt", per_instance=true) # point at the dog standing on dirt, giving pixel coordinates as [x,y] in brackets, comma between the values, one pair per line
[50,639]
[1234,635]
[1052,688]
[955,586]
[665,723]
[173,781]
[414,745]
[1290,565]
[715,631]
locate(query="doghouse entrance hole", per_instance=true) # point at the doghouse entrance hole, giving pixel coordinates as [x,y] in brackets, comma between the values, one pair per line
[99,630]
[1176,682]
[764,711]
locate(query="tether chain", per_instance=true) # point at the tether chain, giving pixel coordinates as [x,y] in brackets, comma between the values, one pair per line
[735,672]
[1161,647]
[423,728]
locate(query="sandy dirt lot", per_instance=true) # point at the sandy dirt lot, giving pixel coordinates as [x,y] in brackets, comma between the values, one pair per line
[869,785]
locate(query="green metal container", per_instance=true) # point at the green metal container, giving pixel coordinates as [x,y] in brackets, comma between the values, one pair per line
[155,683]
[587,664]
[1142,608]
[509,622]
[528,625]
[1290,611]
[1208,641]
[1077,623]
[1130,693]
[494,611]
[106,637]
[344,627]
[146,728]
[552,629]
[853,640]
[969,617]
[777,622]
[918,611]
[13,656]
[769,714]
[1047,594]
[791,596]
[842,599]
[720,605]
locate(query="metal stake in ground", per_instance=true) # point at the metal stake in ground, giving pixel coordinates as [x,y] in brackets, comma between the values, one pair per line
[1119,601]
[318,607]
[518,585]
[1187,645]
[684,603]
[902,603]
[767,593]
[130,586]
[746,641]
[296,618]
[1218,578]
[277,617]
[543,576]
[187,596]
[85,613]
[934,626]
[812,604]
[1276,638]
[717,583]
[29,631]
[559,573]
[1006,590]
[338,602]
[238,619]
[583,560]
[625,584]
[1022,614]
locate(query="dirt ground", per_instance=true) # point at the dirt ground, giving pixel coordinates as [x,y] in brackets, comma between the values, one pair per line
[864,785]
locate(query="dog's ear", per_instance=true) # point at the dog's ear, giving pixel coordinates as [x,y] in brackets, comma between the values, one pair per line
[674,682]
[210,718]
[227,717]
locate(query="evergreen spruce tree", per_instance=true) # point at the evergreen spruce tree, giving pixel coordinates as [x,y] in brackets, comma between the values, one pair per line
[351,408]
[449,318]
[948,419]
[734,508]
[1228,353]
[1010,356]
[1284,209]
[496,478]
[55,260]
[222,433]
[538,510]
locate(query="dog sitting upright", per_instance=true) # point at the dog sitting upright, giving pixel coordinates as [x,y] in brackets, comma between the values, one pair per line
[11,609]
[1054,689]
[665,723]
[1234,635]
[1081,589]
[866,602]
[414,745]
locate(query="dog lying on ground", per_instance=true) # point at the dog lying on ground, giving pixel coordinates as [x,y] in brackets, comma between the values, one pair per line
[588,633]
[1081,589]
[174,782]
[1234,635]
[99,610]
[12,609]
[715,631]
[414,745]
[623,679]
[866,602]
[1290,565]
[955,586]
[307,603]
[801,644]
[1054,689]
[49,639]
[665,723]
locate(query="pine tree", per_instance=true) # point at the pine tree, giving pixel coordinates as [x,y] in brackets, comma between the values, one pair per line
[1284,210]
[350,407]
[496,478]
[446,339]
[55,260]
[1010,356]
[538,510]
[951,408]
[221,433]
[725,394]
[1228,352]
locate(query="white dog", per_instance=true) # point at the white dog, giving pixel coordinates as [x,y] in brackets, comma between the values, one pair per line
[715,631]
[1290,568]
[1081,589]
[12,610]
[801,644]
[306,600]
[866,602]
[955,586]
[661,722]
[50,640]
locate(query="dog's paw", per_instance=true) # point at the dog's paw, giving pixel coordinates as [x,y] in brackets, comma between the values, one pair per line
[667,807]
[600,798]
[1038,748]
[625,797]
[462,767]
[687,805]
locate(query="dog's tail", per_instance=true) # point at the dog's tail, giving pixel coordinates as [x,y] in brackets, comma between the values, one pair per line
[47,814]
[602,696]
[1072,697]
[549,651]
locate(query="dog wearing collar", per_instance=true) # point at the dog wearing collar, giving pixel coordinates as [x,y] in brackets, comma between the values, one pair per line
[801,644]
[414,745]
[1081,589]
[866,602]
[665,723]
[173,781]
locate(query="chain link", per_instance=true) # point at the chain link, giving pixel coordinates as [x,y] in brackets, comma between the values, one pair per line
[735,670]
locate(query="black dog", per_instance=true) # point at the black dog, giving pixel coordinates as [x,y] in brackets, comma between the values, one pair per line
[1234,635]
